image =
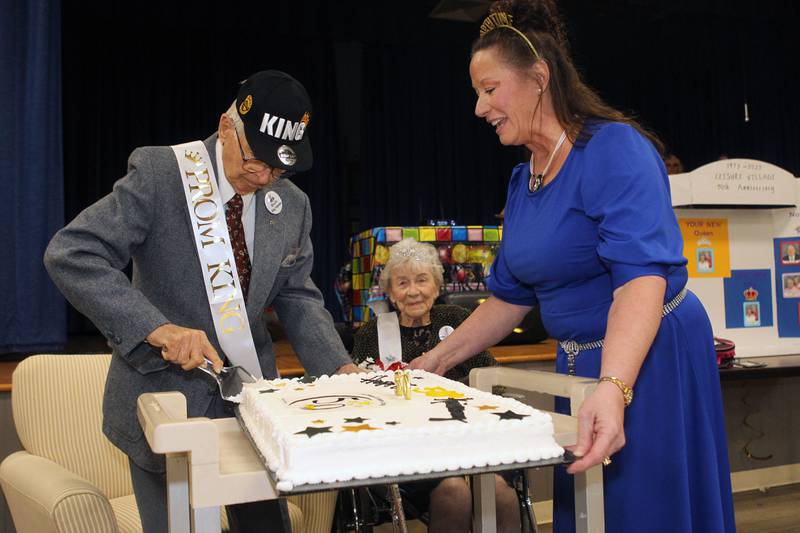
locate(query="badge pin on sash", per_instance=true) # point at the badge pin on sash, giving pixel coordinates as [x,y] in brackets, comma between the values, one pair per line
[273,202]
[390,358]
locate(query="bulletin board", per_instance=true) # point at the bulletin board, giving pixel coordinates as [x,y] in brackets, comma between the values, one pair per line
[743,258]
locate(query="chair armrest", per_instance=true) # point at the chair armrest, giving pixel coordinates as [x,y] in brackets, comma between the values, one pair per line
[168,430]
[44,497]
[221,462]
[572,387]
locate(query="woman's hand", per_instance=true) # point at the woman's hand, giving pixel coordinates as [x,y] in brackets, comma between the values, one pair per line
[601,431]
[430,362]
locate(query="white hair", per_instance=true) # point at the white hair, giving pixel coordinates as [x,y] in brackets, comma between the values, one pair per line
[412,253]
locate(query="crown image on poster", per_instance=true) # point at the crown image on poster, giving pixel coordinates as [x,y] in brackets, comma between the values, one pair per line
[750,294]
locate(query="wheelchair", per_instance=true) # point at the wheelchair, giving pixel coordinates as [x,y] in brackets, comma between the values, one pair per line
[360,510]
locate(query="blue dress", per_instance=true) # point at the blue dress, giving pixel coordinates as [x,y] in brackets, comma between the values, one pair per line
[604,220]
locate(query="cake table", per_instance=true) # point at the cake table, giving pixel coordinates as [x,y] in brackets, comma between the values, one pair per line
[211,463]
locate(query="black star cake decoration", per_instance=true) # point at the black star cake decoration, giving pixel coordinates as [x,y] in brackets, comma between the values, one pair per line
[311,431]
[356,420]
[392,423]
[510,415]
[267,391]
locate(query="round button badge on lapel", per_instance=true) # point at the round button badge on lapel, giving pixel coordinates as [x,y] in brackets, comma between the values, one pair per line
[273,202]
[445,332]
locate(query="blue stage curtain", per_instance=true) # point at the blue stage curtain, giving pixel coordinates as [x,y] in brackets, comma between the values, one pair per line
[33,313]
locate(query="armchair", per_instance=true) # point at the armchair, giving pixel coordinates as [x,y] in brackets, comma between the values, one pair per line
[70,478]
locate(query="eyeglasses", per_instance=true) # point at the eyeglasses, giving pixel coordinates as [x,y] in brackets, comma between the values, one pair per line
[254,166]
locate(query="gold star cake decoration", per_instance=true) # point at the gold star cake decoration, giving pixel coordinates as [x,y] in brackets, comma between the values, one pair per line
[439,392]
[360,427]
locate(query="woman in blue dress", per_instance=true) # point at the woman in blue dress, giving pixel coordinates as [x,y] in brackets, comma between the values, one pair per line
[590,236]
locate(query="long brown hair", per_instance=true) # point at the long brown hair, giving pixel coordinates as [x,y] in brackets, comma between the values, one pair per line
[574,102]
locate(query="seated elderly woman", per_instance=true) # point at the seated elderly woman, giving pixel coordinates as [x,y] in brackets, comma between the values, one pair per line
[412,279]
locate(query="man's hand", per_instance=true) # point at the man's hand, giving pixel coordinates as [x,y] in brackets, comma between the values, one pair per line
[183,346]
[350,368]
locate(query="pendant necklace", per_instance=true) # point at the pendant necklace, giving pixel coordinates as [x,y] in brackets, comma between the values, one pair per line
[536,180]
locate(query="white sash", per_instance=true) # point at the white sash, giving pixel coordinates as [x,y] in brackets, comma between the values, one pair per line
[210,230]
[389,347]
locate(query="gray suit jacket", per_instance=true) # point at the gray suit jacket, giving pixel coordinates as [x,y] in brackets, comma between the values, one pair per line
[145,220]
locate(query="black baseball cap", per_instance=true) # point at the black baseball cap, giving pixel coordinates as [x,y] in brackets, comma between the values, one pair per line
[276,110]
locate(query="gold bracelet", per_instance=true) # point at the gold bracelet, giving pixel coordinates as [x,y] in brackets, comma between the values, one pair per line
[627,392]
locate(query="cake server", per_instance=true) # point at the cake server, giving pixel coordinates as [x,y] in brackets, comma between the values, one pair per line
[231,380]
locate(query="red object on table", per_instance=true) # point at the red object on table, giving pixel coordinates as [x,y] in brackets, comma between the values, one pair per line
[726,352]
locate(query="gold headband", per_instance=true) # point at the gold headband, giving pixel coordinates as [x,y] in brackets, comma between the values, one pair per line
[503,20]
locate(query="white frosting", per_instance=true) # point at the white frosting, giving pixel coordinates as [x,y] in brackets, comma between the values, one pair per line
[341,427]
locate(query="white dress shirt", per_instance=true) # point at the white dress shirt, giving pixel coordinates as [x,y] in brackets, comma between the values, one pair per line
[248,205]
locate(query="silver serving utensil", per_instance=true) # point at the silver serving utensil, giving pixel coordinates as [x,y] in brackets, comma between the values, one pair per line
[230,380]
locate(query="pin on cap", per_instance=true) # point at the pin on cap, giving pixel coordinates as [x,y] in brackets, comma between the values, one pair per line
[275,110]
[287,155]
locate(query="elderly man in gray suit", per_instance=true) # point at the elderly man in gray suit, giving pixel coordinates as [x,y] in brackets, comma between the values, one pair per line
[184,306]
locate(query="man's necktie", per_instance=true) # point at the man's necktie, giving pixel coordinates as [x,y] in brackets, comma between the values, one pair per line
[233,216]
